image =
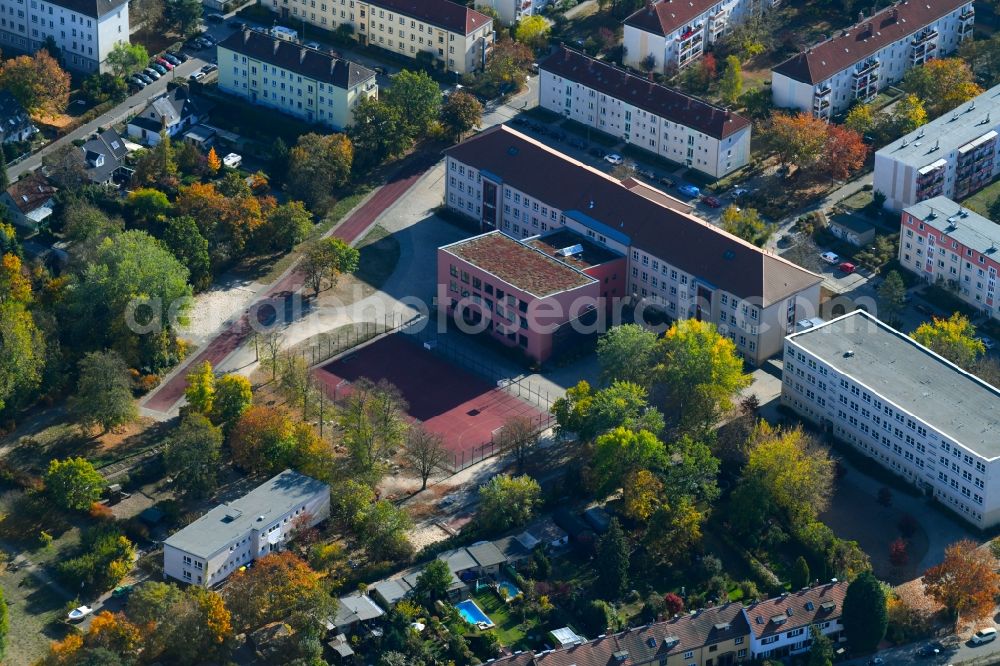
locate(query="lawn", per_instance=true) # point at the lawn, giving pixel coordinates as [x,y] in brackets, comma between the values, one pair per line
[512,633]
[35,610]
[982,200]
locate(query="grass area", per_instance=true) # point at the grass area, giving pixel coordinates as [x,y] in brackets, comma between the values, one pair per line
[509,630]
[857,201]
[379,256]
[35,611]
[982,200]
[334,217]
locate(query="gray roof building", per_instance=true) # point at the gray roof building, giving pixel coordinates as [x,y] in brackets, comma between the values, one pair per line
[15,123]
[355,608]
[458,560]
[104,154]
[391,590]
[969,228]
[486,554]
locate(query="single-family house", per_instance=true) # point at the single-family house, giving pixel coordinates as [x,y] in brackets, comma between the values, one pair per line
[459,561]
[488,558]
[15,123]
[388,592]
[354,610]
[780,626]
[573,525]
[29,201]
[104,158]
[457,590]
[340,649]
[176,111]
[546,533]
[513,550]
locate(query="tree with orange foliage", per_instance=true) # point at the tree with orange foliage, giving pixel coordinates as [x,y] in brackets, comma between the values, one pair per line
[966,582]
[64,651]
[262,439]
[214,163]
[37,82]
[280,586]
[942,84]
[797,139]
[844,152]
[227,223]
[113,631]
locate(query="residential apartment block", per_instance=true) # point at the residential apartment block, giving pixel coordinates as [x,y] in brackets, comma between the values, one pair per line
[84,30]
[671,34]
[903,406]
[512,11]
[677,263]
[450,34]
[954,155]
[235,534]
[310,84]
[856,63]
[642,113]
[941,241]
[781,626]
[527,293]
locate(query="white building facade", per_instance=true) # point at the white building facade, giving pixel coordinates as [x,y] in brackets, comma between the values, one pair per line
[954,155]
[310,84]
[671,34]
[454,36]
[235,534]
[855,64]
[664,121]
[677,264]
[84,30]
[781,626]
[512,11]
[903,406]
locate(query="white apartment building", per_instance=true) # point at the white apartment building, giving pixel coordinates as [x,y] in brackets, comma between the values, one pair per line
[512,11]
[85,30]
[781,626]
[856,63]
[310,84]
[903,406]
[452,35]
[677,263]
[941,241]
[235,534]
[671,34]
[954,155]
[642,113]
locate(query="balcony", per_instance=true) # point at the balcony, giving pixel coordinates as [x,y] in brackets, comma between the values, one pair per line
[824,91]
[820,104]
[924,37]
[870,65]
[967,14]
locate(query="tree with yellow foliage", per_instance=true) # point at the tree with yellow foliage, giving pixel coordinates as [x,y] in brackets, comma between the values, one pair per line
[214,163]
[942,84]
[642,492]
[954,338]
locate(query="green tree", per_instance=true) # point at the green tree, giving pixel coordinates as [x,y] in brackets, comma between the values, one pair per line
[621,452]
[674,530]
[73,483]
[284,227]
[22,352]
[864,615]
[233,397]
[800,574]
[125,59]
[147,207]
[418,98]
[379,132]
[461,113]
[861,118]
[612,563]
[183,238]
[382,530]
[434,581]
[692,469]
[317,164]
[746,223]
[372,422]
[101,87]
[106,556]
[200,390]
[821,650]
[941,84]
[4,624]
[589,414]
[731,83]
[183,15]
[954,338]
[908,114]
[625,353]
[192,454]
[698,372]
[534,31]
[324,261]
[506,502]
[891,297]
[104,393]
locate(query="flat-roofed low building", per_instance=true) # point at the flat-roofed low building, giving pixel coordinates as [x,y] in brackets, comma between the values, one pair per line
[235,534]
[903,406]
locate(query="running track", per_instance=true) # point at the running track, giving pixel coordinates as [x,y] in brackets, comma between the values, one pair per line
[232,337]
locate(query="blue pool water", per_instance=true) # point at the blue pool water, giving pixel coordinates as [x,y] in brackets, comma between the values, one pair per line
[508,589]
[472,613]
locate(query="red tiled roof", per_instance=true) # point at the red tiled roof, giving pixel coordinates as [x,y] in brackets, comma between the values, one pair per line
[519,265]
[821,61]
[668,15]
[798,609]
[694,246]
[443,13]
[31,192]
[665,102]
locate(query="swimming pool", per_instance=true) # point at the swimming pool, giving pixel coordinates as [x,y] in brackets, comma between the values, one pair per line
[473,614]
[508,590]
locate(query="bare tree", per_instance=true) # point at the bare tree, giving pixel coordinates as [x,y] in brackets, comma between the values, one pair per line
[517,436]
[269,349]
[424,453]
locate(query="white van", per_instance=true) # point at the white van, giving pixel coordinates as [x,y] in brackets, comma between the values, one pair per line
[984,636]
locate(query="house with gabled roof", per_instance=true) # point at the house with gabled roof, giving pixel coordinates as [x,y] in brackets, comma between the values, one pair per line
[176,111]
[781,626]
[29,201]
[15,123]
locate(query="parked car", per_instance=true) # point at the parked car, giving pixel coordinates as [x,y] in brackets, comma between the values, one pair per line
[667,182]
[151,73]
[122,591]
[712,202]
[932,649]
[847,267]
[738,192]
[215,18]
[688,190]
[158,67]
[209,68]
[172,59]
[313,45]
[923,309]
[145,78]
[197,76]
[984,636]
[164,63]
[830,257]
[137,83]
[646,173]
[208,40]
[986,342]
[613,158]
[232,160]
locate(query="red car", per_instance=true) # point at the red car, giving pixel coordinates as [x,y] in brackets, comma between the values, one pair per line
[847,267]
[166,63]
[711,201]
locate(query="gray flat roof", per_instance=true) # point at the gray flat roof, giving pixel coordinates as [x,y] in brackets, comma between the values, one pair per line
[950,400]
[392,590]
[967,227]
[225,523]
[356,608]
[458,560]
[486,554]
[967,122]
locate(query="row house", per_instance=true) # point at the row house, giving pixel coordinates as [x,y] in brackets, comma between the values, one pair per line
[454,36]
[84,30]
[667,35]
[677,263]
[855,64]
[954,155]
[782,626]
[903,406]
[662,120]
[312,85]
